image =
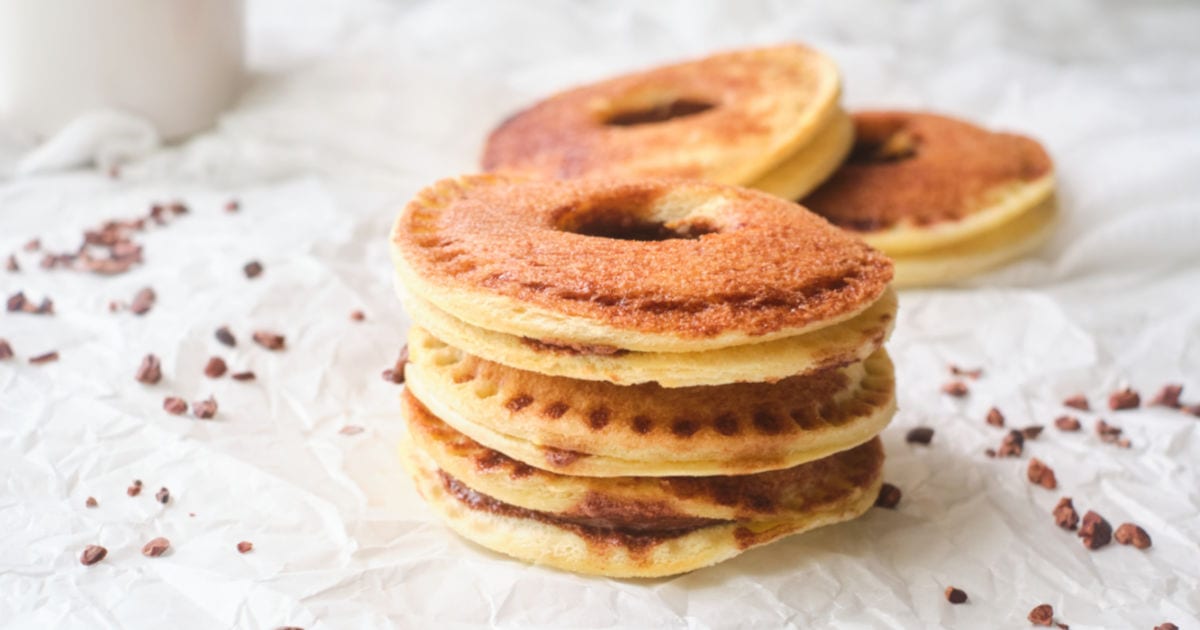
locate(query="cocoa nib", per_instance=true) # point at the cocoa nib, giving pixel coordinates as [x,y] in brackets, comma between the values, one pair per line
[18,303]
[175,405]
[163,496]
[973,373]
[1192,409]
[232,205]
[242,376]
[1168,396]
[92,554]
[1041,474]
[226,337]
[351,429]
[32,245]
[1111,434]
[1130,534]
[357,316]
[889,496]
[150,371]
[1065,515]
[958,389]
[395,374]
[1078,401]
[134,488]
[143,301]
[269,340]
[919,435]
[215,368]
[1095,531]
[47,357]
[91,502]
[11,264]
[1031,432]
[1067,423]
[1124,399]
[995,418]
[205,409]
[955,595]
[156,547]
[1012,445]
[253,269]
[1166,625]
[245,546]
[6,351]
[1042,615]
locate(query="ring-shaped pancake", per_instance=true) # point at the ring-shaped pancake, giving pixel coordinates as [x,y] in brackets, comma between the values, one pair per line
[918,181]
[646,265]
[523,535]
[805,170]
[726,118]
[597,429]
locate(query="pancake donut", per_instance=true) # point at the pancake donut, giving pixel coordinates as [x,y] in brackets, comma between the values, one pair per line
[601,267]
[728,118]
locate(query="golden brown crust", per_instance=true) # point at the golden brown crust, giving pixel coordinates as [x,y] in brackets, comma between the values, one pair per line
[947,174]
[737,261]
[725,118]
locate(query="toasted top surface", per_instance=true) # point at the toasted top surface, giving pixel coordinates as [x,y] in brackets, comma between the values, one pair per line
[725,118]
[919,169]
[681,259]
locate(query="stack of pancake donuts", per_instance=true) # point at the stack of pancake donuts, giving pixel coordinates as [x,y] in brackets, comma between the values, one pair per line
[945,199]
[638,377]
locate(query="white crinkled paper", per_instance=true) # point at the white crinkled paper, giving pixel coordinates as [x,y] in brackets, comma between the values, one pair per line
[355,106]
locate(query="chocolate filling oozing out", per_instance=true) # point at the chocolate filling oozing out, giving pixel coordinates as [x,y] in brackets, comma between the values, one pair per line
[634,535]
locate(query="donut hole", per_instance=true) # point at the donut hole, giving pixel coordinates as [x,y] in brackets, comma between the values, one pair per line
[657,112]
[627,225]
[884,142]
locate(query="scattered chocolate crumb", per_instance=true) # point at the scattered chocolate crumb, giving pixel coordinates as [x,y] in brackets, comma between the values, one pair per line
[1130,534]
[91,502]
[1108,433]
[242,376]
[32,245]
[16,302]
[215,368]
[1124,399]
[114,306]
[150,371]
[990,452]
[253,269]
[1124,443]
[135,488]
[245,546]
[143,301]
[11,264]
[919,435]
[889,496]
[1067,423]
[395,374]
[269,340]
[1032,431]
[1166,625]
[226,337]
[972,374]
[1012,445]
[1065,515]
[232,205]
[6,351]
[1168,396]
[955,595]
[92,554]
[351,429]
[205,409]
[156,547]
[44,358]
[995,418]
[178,207]
[958,389]
[357,316]
[175,405]
[163,496]
[1078,401]
[1042,615]
[1041,474]
[1095,531]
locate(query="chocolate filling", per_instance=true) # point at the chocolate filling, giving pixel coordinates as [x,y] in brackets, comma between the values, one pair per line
[573,349]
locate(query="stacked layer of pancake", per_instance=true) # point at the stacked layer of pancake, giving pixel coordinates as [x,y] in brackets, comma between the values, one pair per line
[574,400]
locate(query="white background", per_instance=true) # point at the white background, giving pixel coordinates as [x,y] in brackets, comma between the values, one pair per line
[353,106]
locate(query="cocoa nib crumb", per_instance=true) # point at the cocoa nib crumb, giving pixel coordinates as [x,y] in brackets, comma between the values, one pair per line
[175,405]
[1111,434]
[351,429]
[1095,531]
[156,547]
[972,374]
[1166,625]
[1067,423]
[143,301]
[253,269]
[1032,432]
[134,488]
[215,368]
[150,371]
[32,245]
[242,376]
[357,316]
[995,418]
[1042,615]
[1168,396]
[47,357]
[232,205]
[955,595]
[18,303]
[163,496]
[91,502]
[1124,399]
[205,409]
[245,546]
[1041,474]
[395,374]
[226,337]
[919,435]
[1078,401]
[990,452]
[92,554]
[889,496]
[1012,445]
[11,264]
[958,389]
[6,351]
[269,340]
[1130,534]
[1065,515]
